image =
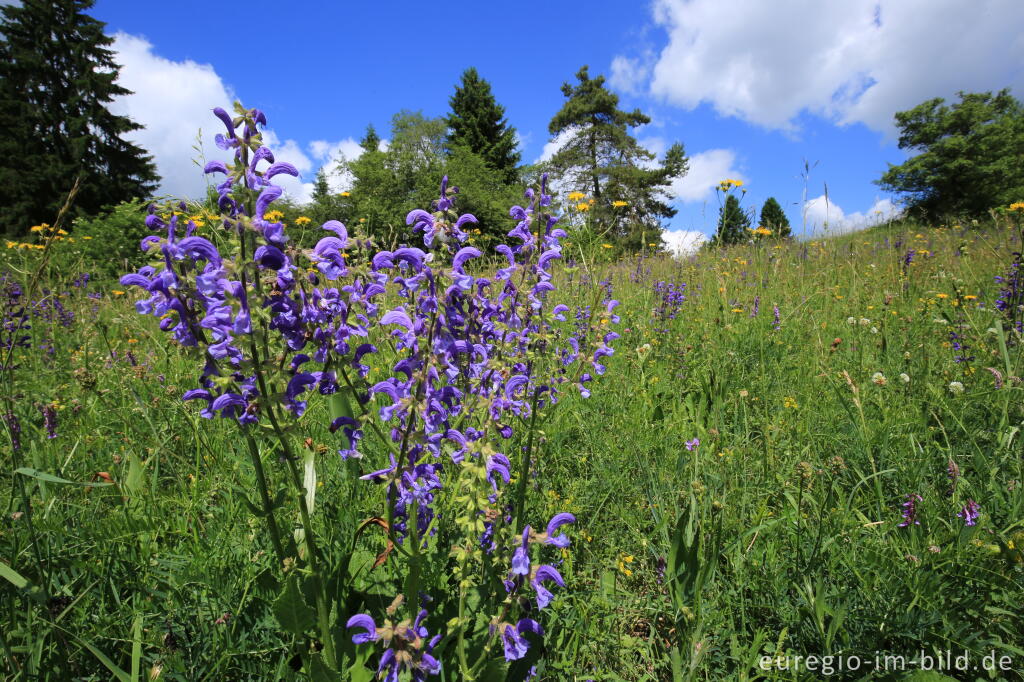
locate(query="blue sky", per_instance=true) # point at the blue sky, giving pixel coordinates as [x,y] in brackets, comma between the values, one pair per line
[752,89]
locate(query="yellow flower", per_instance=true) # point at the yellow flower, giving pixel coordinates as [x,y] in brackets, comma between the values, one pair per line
[86,237]
[970,297]
[606,246]
[303,220]
[362,220]
[273,216]
[345,194]
[790,403]
[1017,206]
[941,295]
[737,310]
[619,204]
[582,207]
[576,196]
[117,292]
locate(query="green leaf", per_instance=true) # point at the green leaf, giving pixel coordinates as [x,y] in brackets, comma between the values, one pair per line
[319,671]
[137,649]
[291,609]
[50,478]
[12,576]
[121,675]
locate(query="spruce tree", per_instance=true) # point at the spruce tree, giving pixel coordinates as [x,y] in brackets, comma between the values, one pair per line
[733,223]
[600,158]
[774,218]
[478,122]
[57,78]
[371,140]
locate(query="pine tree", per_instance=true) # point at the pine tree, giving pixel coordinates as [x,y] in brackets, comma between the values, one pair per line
[321,190]
[600,157]
[733,223]
[478,122]
[57,77]
[774,218]
[371,140]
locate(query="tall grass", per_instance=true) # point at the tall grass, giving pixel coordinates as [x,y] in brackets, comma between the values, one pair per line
[777,535]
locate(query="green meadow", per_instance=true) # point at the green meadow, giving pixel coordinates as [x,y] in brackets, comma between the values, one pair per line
[131,544]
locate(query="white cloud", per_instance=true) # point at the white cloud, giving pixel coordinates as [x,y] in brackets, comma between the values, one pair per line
[173,101]
[551,147]
[707,169]
[629,74]
[855,61]
[683,242]
[825,218]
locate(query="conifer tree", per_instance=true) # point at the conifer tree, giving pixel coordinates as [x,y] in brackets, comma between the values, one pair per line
[600,158]
[57,78]
[371,140]
[478,122]
[733,223]
[774,218]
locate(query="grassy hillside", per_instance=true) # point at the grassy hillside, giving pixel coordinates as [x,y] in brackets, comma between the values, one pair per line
[763,437]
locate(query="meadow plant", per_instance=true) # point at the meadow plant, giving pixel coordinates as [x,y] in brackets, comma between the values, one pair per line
[450,432]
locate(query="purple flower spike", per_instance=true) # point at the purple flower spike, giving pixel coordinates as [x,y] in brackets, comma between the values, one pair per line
[226,119]
[556,522]
[520,559]
[970,513]
[910,511]
[281,167]
[543,574]
[512,638]
[215,167]
[362,620]
[463,255]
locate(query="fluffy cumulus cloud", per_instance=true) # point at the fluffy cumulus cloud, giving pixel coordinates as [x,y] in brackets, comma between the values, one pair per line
[707,169]
[629,73]
[683,242]
[172,101]
[824,217]
[856,61]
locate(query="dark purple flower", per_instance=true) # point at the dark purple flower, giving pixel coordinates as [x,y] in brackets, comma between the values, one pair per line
[970,513]
[910,511]
[49,420]
[512,638]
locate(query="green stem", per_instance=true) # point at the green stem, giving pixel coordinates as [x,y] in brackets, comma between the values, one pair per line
[268,507]
[323,610]
[524,467]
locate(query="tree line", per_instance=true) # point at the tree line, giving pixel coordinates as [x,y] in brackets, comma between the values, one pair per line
[58,78]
